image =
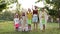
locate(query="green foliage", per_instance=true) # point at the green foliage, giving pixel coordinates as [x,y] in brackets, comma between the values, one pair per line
[37,1]
[7,16]
[52,12]
[2,5]
[55,10]
[11,2]
[49,2]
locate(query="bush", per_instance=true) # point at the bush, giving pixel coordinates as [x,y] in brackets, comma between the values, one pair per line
[7,16]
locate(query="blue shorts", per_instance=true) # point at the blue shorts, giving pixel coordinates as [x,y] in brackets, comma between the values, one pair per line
[35,19]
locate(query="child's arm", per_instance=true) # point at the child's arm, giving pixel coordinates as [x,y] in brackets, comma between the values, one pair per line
[14,21]
[40,14]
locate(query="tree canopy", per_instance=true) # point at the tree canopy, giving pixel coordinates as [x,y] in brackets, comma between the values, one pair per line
[56,7]
[2,5]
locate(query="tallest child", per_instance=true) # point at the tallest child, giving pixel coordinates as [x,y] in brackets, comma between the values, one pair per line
[35,17]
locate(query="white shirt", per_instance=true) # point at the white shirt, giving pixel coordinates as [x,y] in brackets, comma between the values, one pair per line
[16,20]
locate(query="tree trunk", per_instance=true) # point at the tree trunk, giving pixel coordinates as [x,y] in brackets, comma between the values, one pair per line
[52,20]
[59,16]
[59,23]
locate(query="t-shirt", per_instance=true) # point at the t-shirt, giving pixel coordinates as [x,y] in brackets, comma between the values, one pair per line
[16,20]
[29,15]
[35,11]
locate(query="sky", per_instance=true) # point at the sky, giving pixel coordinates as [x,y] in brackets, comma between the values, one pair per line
[26,4]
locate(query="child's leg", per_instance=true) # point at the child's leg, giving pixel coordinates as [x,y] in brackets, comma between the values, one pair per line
[16,27]
[24,24]
[26,27]
[36,22]
[29,27]
[29,24]
[36,26]
[43,26]
[22,27]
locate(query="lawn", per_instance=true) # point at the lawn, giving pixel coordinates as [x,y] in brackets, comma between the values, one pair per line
[7,27]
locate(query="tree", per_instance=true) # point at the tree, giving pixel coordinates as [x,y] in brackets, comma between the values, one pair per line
[56,4]
[2,5]
[7,15]
[5,3]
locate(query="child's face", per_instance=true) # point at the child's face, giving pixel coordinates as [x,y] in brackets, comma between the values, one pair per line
[29,10]
[16,16]
[42,16]
[36,7]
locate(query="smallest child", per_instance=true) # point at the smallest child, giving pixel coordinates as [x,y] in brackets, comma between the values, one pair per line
[16,22]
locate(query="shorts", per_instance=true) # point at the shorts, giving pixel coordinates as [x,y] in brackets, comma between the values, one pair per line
[16,26]
[43,21]
[29,21]
[35,19]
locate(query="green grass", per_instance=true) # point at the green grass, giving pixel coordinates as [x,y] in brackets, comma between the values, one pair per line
[7,27]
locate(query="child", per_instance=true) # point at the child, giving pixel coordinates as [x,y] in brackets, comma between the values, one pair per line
[20,24]
[29,19]
[43,19]
[16,21]
[35,18]
[24,23]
